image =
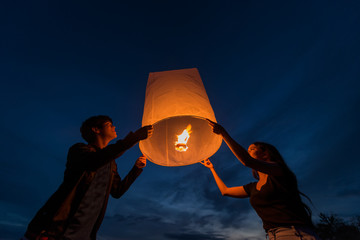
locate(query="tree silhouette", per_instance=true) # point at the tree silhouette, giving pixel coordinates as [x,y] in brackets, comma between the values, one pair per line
[332,227]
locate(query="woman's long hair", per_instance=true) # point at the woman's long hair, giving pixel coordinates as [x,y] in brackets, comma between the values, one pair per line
[275,156]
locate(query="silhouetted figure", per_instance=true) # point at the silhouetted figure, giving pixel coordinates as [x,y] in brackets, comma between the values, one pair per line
[75,211]
[275,196]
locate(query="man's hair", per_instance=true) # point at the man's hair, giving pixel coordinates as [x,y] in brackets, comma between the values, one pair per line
[96,121]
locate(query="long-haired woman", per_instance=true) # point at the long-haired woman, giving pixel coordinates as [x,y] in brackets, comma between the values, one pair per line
[274,196]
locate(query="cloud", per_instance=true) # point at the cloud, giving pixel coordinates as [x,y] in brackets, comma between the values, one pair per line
[12,224]
[194,236]
[349,192]
[185,206]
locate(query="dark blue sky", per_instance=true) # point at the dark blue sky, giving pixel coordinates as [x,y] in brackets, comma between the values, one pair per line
[284,72]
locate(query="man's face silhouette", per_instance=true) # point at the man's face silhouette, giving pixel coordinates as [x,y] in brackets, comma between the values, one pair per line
[107,131]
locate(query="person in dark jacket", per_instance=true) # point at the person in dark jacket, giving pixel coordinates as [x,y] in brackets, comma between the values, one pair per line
[275,196]
[75,211]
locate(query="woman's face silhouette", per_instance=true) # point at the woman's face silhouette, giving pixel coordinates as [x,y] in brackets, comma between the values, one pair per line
[258,152]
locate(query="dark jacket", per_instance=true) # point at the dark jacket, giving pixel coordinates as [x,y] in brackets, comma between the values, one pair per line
[82,162]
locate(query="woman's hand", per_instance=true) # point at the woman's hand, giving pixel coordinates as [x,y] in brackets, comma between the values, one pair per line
[217,128]
[141,162]
[207,163]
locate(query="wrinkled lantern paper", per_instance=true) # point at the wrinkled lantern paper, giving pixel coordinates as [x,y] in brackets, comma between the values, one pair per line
[176,104]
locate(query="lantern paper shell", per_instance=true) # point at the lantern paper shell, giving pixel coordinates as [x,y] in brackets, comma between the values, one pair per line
[173,100]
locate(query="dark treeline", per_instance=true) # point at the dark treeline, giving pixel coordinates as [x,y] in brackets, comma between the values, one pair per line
[333,227]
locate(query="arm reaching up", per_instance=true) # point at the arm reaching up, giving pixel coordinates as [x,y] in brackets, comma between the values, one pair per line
[120,186]
[144,132]
[242,154]
[236,192]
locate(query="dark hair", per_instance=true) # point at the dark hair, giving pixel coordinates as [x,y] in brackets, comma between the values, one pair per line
[96,121]
[275,156]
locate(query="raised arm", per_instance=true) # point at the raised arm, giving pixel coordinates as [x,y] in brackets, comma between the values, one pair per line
[83,156]
[241,153]
[236,192]
[120,186]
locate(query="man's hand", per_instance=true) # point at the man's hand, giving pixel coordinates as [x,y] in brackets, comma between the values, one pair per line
[217,128]
[141,162]
[144,132]
[207,163]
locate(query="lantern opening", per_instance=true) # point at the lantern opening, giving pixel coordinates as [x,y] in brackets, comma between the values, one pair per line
[182,139]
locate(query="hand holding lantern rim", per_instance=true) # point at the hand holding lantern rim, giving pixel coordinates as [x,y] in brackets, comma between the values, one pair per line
[217,128]
[141,162]
[207,163]
[144,132]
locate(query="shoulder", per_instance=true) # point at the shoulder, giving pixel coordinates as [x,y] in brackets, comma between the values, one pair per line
[286,175]
[287,180]
[80,148]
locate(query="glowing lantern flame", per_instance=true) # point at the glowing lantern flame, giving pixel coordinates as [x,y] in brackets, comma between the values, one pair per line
[180,144]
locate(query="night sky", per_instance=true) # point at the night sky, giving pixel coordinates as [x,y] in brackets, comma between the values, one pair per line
[283,72]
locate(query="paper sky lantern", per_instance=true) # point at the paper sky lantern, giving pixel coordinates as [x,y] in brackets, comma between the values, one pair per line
[176,104]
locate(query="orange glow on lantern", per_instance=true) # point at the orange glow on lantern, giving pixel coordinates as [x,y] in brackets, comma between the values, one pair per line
[180,144]
[176,103]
